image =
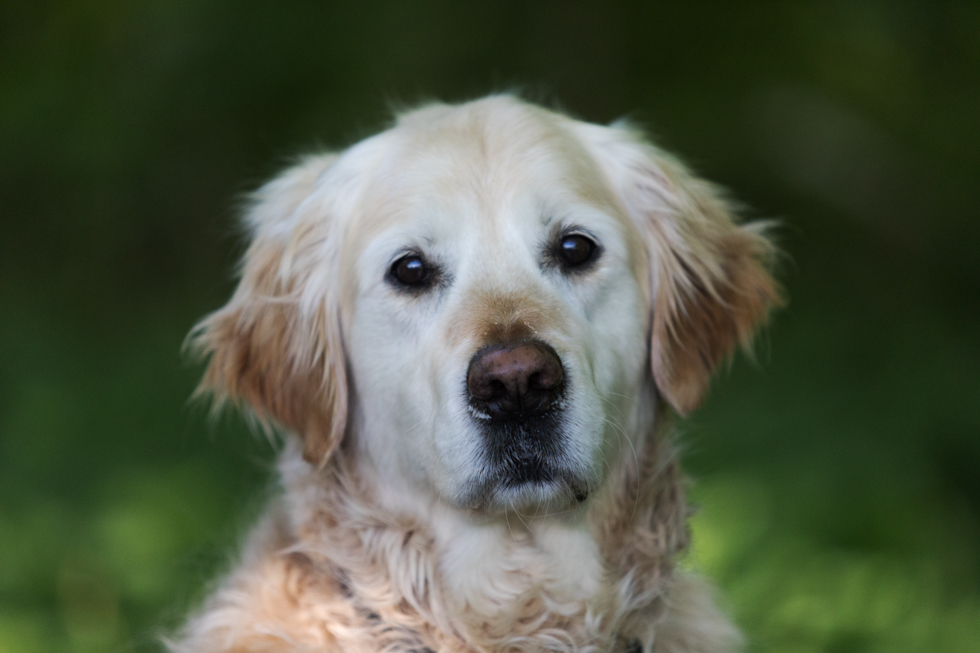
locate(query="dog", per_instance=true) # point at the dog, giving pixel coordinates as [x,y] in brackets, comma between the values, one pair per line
[474,328]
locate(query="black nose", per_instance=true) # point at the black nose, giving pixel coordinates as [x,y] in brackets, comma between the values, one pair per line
[515,381]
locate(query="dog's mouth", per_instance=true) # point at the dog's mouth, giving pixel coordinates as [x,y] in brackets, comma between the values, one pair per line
[536,479]
[526,464]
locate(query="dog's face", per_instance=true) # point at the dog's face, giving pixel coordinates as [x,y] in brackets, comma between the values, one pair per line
[496,329]
[483,298]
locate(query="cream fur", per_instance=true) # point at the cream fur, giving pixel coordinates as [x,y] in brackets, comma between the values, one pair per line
[376,542]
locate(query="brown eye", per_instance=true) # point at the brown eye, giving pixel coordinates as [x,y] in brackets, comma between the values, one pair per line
[576,250]
[410,271]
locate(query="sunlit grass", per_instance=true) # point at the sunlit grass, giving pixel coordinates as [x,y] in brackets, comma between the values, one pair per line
[793,594]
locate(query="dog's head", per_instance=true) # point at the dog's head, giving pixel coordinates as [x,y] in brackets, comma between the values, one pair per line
[485,299]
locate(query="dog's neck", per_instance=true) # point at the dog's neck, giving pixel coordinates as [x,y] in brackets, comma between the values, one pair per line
[594,574]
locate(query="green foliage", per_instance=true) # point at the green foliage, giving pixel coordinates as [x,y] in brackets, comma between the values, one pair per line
[838,476]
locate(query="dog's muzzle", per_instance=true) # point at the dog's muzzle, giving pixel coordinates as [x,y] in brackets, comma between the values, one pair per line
[517,395]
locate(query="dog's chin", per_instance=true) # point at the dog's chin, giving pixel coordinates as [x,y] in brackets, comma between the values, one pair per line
[534,487]
[537,499]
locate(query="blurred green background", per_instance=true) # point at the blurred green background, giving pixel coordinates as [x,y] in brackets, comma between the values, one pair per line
[839,477]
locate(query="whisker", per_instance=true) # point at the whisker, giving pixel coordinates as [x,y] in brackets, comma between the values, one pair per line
[636,461]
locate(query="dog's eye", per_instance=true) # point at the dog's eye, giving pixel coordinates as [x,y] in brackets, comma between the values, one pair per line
[411,271]
[576,250]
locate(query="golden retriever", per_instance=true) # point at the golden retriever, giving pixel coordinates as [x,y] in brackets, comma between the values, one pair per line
[474,326]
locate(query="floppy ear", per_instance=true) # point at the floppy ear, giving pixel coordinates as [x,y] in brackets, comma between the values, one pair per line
[708,276]
[275,347]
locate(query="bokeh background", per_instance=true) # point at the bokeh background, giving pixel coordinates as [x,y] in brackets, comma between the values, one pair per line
[839,476]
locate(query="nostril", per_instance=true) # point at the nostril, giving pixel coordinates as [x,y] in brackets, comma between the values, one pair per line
[534,382]
[497,390]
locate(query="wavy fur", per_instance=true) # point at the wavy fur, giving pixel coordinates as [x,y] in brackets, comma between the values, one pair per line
[369,547]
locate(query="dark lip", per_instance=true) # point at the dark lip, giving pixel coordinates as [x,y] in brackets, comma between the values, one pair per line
[530,447]
[531,470]
[489,494]
[531,454]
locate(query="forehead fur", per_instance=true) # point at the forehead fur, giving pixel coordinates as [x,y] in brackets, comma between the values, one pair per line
[473,161]
[484,153]
[500,143]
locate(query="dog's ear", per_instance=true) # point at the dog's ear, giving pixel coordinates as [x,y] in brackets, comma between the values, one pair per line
[708,276]
[275,348]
